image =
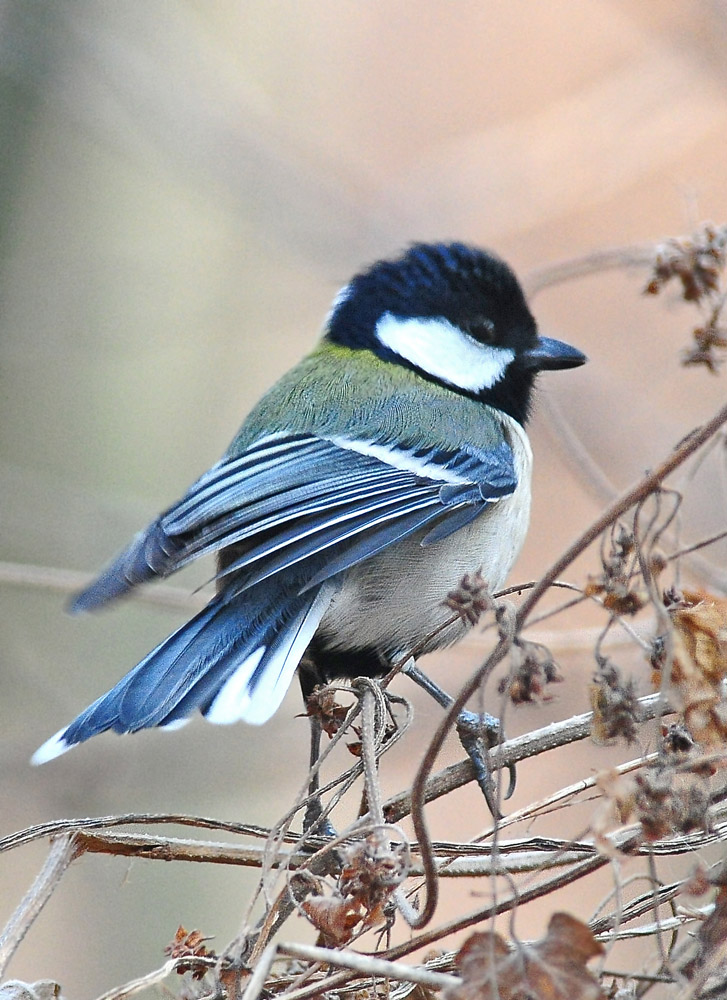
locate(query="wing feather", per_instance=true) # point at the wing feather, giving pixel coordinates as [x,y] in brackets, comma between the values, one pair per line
[289,498]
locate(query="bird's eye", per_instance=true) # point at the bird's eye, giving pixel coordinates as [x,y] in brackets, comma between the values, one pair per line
[482,330]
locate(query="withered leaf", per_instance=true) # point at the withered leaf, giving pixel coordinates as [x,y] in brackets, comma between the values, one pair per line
[553,968]
[322,704]
[335,917]
[700,664]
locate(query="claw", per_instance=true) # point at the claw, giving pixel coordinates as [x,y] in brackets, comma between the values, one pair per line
[477,734]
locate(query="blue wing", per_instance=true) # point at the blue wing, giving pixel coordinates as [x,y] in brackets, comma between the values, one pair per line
[290,498]
[286,516]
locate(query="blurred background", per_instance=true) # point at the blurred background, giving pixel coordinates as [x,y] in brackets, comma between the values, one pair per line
[184,185]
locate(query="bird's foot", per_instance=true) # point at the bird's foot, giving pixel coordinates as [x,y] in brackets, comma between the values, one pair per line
[478,734]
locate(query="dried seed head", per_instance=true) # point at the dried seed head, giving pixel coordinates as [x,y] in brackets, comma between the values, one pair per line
[615,704]
[532,668]
[695,261]
[613,584]
[470,599]
[189,944]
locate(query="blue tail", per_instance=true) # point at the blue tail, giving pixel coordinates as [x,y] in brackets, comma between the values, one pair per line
[234,660]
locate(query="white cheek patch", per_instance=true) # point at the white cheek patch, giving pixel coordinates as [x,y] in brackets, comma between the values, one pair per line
[444,351]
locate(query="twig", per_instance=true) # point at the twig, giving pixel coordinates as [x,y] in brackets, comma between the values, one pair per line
[152,848]
[632,496]
[687,550]
[152,978]
[61,854]
[616,258]
[557,734]
[569,791]
[419,787]
[518,588]
[55,827]
[368,965]
[68,581]
[373,721]
[454,860]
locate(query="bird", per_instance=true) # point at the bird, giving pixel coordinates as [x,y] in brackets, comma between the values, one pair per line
[387,464]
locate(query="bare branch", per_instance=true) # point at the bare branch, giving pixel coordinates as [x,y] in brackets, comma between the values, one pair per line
[61,854]
[68,581]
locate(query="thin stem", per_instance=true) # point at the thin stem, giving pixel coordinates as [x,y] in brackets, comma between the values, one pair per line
[67,581]
[619,507]
[61,854]
[616,258]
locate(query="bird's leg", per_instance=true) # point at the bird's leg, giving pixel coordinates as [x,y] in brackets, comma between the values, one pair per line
[313,812]
[477,733]
[309,678]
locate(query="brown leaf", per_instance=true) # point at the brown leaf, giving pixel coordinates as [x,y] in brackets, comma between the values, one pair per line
[322,704]
[335,917]
[700,664]
[553,968]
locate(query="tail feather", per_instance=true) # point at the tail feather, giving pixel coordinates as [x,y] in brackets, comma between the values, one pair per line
[216,640]
[264,688]
[234,660]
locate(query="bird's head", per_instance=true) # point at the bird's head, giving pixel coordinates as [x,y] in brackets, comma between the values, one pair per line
[456,315]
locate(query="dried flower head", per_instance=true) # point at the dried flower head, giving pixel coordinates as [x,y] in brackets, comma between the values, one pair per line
[696,261]
[615,704]
[371,871]
[708,340]
[470,599]
[189,944]
[322,704]
[532,668]
[665,798]
[614,584]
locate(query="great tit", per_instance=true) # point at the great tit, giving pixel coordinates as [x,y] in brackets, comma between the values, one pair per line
[359,491]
